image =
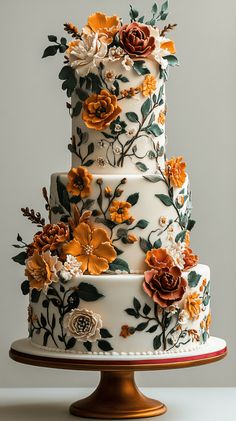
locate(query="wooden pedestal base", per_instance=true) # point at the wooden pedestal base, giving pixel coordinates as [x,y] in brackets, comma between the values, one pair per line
[117,397]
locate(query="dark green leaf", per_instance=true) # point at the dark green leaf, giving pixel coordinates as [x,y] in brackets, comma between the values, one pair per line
[164,199]
[35,294]
[43,321]
[119,264]
[146,309]
[62,48]
[140,68]
[204,336]
[141,166]
[73,300]
[88,346]
[181,236]
[96,82]
[133,199]
[146,107]
[63,41]
[19,238]
[63,195]
[193,279]
[81,94]
[165,6]
[153,178]
[172,60]
[56,302]
[88,203]
[191,224]
[20,258]
[152,329]
[123,79]
[206,300]
[105,333]
[88,292]
[107,135]
[132,117]
[132,312]
[45,338]
[155,8]
[104,345]
[52,38]
[142,326]
[141,20]
[133,14]
[145,245]
[88,163]
[45,303]
[157,244]
[66,73]
[53,321]
[71,343]
[90,148]
[77,109]
[106,222]
[122,232]
[25,287]
[157,342]
[155,130]
[50,51]
[117,88]
[136,304]
[142,224]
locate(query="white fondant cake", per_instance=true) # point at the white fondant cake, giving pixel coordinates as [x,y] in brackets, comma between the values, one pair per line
[113,271]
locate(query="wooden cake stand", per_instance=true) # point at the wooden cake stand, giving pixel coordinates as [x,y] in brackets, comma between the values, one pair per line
[117,396]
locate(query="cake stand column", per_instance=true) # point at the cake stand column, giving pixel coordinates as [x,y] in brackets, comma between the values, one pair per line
[117,397]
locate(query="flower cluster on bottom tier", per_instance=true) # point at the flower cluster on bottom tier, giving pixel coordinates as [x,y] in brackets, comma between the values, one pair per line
[113,313]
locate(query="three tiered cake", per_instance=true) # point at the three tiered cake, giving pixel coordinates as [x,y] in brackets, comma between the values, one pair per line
[112,271]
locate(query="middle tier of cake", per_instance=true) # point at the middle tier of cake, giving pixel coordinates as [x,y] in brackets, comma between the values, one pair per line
[138,212]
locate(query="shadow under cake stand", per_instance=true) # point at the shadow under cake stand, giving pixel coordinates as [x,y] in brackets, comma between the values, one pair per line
[117,396]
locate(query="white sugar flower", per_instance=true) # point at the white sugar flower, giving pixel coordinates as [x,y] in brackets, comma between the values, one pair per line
[183,318]
[163,221]
[175,250]
[115,53]
[110,76]
[84,54]
[83,325]
[127,63]
[71,268]
[164,47]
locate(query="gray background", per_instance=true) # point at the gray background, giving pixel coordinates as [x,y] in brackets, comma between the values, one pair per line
[35,130]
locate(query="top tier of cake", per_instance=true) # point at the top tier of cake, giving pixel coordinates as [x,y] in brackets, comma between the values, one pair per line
[134,140]
[115,74]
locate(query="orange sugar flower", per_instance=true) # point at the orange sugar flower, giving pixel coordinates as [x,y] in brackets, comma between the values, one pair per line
[159,259]
[169,46]
[193,305]
[92,248]
[149,85]
[175,171]
[79,182]
[100,110]
[106,26]
[119,211]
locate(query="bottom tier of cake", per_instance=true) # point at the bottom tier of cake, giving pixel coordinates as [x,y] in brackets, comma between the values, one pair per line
[113,314]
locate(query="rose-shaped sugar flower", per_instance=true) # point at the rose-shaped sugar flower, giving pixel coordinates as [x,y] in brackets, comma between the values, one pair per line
[83,325]
[42,270]
[51,237]
[100,110]
[136,40]
[190,259]
[175,171]
[165,287]
[84,54]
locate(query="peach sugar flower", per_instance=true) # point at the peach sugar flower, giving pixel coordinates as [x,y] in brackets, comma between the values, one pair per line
[92,248]
[42,270]
[175,171]
[119,211]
